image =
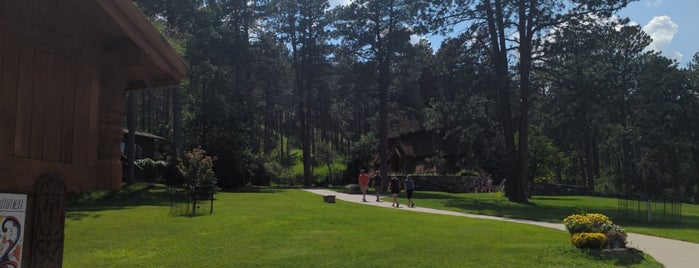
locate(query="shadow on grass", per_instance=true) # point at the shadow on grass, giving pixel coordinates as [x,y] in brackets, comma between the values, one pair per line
[550,209]
[80,205]
[529,211]
[621,257]
[499,207]
[257,189]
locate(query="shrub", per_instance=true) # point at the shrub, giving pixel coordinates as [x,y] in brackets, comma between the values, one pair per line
[353,189]
[589,240]
[586,223]
[151,170]
[198,171]
[612,227]
[577,223]
[616,236]
[586,230]
[615,239]
[597,220]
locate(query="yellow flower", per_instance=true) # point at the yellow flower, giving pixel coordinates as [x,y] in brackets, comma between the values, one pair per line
[588,240]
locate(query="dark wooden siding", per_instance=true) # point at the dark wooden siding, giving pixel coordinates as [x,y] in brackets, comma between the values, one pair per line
[49,105]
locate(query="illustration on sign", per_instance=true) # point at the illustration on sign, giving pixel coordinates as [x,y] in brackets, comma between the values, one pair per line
[12,210]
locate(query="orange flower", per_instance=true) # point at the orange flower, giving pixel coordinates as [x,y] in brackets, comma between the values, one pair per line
[17,252]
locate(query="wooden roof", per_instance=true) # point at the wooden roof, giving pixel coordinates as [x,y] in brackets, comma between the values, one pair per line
[64,67]
[159,65]
[90,30]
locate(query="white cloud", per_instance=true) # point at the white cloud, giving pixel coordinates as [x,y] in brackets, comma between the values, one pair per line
[653,3]
[662,30]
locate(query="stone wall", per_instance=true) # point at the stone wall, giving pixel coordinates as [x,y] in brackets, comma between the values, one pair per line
[452,184]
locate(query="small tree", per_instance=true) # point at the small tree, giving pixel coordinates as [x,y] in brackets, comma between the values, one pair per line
[198,171]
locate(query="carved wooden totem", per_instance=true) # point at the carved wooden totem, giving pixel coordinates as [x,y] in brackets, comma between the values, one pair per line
[49,219]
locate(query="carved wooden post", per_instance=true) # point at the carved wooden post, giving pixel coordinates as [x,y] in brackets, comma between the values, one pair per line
[48,222]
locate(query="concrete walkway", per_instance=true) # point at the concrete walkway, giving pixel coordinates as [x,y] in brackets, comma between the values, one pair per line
[671,253]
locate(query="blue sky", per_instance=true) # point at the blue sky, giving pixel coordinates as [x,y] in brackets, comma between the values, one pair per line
[673,25]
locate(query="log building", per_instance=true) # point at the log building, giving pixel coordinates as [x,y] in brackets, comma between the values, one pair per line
[65,66]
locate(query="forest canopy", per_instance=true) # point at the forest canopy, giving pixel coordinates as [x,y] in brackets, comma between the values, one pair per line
[558,91]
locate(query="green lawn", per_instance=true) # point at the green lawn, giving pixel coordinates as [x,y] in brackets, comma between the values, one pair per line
[292,228]
[555,208]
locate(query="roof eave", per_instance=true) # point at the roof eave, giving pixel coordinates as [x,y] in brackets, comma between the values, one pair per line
[132,22]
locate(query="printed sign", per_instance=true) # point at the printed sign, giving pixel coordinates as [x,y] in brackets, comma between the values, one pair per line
[13,207]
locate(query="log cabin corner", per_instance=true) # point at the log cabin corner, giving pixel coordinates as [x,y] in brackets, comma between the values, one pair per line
[65,66]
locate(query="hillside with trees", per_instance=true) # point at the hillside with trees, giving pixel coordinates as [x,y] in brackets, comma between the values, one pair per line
[532,91]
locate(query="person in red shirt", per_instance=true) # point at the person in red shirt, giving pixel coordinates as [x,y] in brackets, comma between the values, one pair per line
[363,183]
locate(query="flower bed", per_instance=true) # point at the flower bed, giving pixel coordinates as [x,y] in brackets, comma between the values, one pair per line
[594,231]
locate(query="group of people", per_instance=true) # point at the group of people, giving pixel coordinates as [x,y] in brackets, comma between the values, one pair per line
[394,185]
[483,185]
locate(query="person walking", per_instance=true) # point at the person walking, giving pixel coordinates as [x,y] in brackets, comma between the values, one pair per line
[394,186]
[409,185]
[377,183]
[363,183]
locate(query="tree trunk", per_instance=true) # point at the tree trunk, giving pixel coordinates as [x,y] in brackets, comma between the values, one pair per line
[268,137]
[496,31]
[131,139]
[176,123]
[626,165]
[525,57]
[384,83]
[177,147]
[587,150]
[306,144]
[695,153]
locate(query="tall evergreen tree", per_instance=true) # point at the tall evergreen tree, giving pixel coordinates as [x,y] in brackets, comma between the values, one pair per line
[302,25]
[377,31]
[532,20]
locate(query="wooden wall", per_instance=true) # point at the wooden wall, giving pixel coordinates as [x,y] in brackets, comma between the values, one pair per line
[49,95]
[48,106]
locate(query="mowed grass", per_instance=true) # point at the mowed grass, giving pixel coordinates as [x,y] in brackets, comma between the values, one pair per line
[293,228]
[555,208]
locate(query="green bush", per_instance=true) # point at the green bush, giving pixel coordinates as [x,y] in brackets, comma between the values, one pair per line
[615,239]
[150,170]
[586,230]
[586,223]
[589,240]
[616,236]
[577,223]
[198,171]
[353,189]
[597,220]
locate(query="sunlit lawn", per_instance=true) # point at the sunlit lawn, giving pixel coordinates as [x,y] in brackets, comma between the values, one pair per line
[292,228]
[555,208]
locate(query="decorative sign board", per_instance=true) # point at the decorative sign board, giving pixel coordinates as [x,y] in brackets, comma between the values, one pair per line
[13,207]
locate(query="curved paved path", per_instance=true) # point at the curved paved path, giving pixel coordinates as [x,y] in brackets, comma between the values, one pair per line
[671,253]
